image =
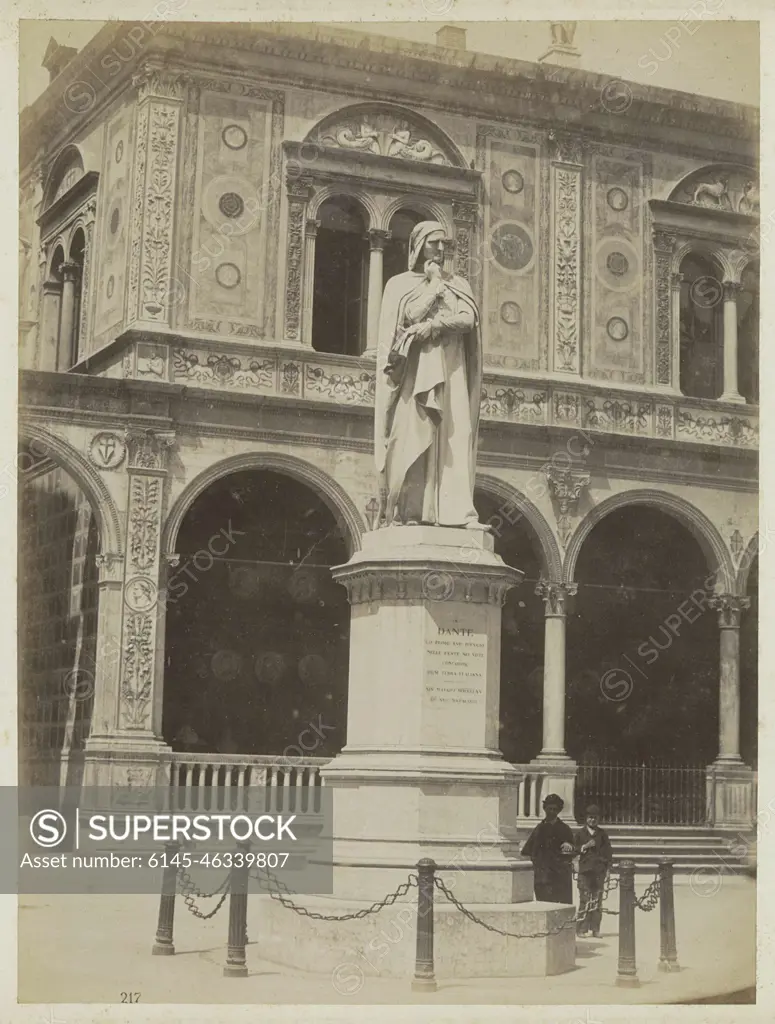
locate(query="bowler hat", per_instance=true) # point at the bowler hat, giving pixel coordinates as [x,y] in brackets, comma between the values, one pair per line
[557,801]
[593,811]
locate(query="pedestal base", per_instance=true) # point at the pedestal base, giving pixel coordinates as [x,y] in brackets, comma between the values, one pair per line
[731,793]
[558,776]
[384,944]
[125,761]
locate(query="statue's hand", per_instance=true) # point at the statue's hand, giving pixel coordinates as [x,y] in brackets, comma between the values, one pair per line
[423,331]
[432,271]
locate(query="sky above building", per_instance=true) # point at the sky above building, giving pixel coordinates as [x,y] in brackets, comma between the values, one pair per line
[711,58]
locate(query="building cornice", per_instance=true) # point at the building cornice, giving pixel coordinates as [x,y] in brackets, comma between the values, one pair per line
[471,84]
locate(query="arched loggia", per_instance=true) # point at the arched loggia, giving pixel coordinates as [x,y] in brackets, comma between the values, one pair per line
[256,628]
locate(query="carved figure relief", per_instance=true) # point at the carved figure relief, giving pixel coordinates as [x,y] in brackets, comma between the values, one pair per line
[381,133]
[729,190]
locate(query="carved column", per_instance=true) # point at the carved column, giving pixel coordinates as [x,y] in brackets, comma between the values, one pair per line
[299,193]
[377,241]
[730,393]
[159,101]
[48,344]
[308,279]
[729,608]
[676,280]
[667,322]
[554,596]
[730,780]
[66,355]
[464,216]
[558,770]
[110,567]
[566,192]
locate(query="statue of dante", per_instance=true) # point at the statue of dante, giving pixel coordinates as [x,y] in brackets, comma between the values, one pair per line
[429,377]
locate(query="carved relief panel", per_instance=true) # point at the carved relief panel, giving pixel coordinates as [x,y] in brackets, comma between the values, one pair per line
[508,264]
[618,344]
[233,188]
[110,266]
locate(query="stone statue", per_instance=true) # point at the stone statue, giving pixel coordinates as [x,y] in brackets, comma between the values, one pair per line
[429,376]
[563,32]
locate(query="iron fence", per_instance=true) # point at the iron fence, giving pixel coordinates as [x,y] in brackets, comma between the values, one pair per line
[643,794]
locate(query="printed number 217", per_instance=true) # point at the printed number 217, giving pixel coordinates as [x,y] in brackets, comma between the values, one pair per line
[130,997]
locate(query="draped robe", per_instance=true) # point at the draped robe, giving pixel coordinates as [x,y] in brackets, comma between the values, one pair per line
[427,407]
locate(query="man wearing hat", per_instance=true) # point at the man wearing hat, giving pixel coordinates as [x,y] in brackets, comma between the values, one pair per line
[550,847]
[593,847]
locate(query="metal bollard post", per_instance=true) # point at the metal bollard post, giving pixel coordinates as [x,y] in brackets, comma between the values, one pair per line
[627,973]
[235,966]
[163,945]
[668,953]
[424,976]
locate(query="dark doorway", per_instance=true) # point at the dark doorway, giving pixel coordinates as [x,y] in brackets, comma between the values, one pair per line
[701,328]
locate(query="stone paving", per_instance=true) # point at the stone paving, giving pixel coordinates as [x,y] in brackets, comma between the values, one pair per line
[92,948]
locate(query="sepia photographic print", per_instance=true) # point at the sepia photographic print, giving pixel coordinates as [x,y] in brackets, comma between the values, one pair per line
[388,531]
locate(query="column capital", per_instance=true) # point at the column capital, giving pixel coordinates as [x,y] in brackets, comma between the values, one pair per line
[148,449]
[729,608]
[731,290]
[664,241]
[465,213]
[157,81]
[70,271]
[566,149]
[299,187]
[676,280]
[555,594]
[311,227]
[378,238]
[171,560]
[566,486]
[110,565]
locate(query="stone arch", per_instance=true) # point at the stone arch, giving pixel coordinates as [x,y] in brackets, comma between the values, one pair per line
[711,251]
[744,568]
[69,159]
[360,196]
[702,529]
[87,478]
[434,210]
[550,552]
[336,498]
[420,127]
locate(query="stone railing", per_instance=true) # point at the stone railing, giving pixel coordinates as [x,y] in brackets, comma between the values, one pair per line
[210,781]
[530,793]
[296,373]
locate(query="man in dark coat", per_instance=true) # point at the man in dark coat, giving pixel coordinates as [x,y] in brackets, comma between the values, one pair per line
[550,847]
[594,849]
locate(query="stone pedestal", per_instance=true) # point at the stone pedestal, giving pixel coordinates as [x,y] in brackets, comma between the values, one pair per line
[421,774]
[731,795]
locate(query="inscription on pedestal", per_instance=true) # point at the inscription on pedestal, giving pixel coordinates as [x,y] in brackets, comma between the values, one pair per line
[455,673]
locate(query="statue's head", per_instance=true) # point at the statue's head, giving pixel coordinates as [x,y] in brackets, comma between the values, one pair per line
[427,241]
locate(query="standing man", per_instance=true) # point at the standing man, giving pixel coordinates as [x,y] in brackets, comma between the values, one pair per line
[550,847]
[595,855]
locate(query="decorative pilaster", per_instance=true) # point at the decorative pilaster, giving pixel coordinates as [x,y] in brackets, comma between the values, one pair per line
[308,280]
[110,569]
[566,486]
[48,332]
[148,455]
[83,327]
[566,191]
[299,193]
[667,320]
[377,242]
[160,95]
[464,216]
[731,393]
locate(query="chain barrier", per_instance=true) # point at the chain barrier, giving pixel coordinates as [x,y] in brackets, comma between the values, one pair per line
[189,891]
[650,897]
[287,902]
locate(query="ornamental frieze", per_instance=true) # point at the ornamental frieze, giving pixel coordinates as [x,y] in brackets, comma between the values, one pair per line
[355,389]
[244,373]
[383,132]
